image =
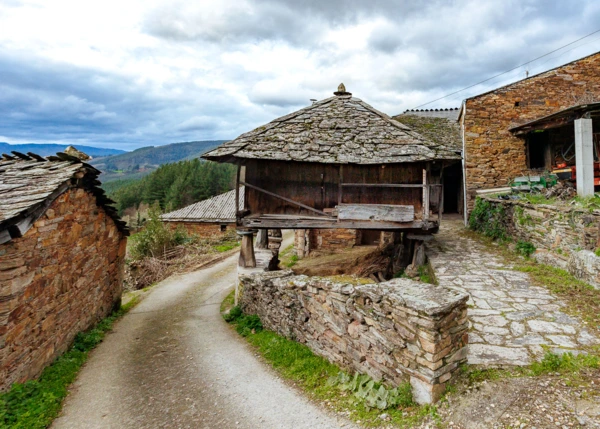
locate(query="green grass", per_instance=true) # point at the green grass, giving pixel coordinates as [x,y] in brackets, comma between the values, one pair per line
[298,364]
[293,261]
[225,247]
[36,403]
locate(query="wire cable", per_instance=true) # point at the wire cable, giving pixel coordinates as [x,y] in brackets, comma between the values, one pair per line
[508,71]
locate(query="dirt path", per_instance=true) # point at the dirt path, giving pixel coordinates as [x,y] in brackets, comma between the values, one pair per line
[173,363]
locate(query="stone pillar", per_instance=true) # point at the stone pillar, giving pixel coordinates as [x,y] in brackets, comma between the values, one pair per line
[247,258]
[300,242]
[584,157]
[262,239]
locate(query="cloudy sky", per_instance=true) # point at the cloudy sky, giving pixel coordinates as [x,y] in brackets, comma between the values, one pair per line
[131,73]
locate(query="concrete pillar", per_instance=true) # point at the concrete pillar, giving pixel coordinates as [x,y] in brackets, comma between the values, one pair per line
[584,157]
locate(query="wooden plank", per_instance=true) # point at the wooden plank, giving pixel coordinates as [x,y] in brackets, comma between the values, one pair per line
[384,185]
[237,191]
[376,212]
[425,196]
[287,200]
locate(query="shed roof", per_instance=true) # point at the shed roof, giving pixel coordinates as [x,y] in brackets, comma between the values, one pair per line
[30,183]
[440,126]
[338,130]
[558,119]
[220,208]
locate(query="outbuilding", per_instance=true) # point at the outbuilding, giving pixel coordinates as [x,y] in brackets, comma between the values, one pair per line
[62,251]
[337,164]
[532,126]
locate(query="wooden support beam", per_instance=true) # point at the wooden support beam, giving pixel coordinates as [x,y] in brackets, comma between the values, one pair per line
[237,190]
[425,196]
[272,223]
[247,258]
[287,200]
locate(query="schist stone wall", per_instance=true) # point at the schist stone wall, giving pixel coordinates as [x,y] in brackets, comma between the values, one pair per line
[61,278]
[203,229]
[564,237]
[493,156]
[393,331]
[326,240]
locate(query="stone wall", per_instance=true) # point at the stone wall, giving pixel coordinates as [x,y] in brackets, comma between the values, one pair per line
[493,156]
[61,278]
[325,240]
[394,331]
[202,229]
[564,236]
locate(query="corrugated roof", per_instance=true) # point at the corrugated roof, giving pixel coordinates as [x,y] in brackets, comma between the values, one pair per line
[30,183]
[216,209]
[338,130]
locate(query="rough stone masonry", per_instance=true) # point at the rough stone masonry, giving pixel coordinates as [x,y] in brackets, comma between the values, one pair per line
[394,331]
[60,278]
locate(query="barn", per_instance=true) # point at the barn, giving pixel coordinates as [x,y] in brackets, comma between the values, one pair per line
[62,251]
[338,164]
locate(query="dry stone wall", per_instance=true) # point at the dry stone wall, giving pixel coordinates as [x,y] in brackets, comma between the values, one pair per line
[202,229]
[494,156]
[62,277]
[564,237]
[393,331]
[326,240]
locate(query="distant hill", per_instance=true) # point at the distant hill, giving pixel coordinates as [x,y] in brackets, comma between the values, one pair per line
[45,149]
[144,160]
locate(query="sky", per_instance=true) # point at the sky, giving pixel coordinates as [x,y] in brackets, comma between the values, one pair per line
[132,73]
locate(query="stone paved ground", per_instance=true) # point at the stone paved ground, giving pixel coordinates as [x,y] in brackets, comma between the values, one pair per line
[511,318]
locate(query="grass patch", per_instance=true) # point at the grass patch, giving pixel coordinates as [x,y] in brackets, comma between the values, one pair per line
[525,248]
[225,247]
[36,403]
[292,261]
[581,298]
[325,382]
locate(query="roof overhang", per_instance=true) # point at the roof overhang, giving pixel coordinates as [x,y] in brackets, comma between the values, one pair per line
[558,119]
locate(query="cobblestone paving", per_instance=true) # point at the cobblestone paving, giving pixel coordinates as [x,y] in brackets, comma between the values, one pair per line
[510,318]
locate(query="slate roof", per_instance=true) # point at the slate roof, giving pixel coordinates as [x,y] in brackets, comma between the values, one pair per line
[30,183]
[338,130]
[440,126]
[218,209]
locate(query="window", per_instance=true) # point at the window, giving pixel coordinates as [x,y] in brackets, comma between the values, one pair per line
[223,228]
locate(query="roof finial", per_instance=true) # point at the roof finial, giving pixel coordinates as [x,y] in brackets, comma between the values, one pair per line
[342,90]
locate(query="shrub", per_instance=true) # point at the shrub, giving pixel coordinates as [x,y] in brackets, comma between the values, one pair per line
[525,248]
[488,219]
[155,238]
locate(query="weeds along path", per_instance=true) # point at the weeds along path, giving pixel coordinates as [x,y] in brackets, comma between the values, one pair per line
[172,362]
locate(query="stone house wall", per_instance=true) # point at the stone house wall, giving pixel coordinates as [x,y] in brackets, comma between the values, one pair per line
[493,156]
[203,229]
[564,237]
[394,331]
[60,278]
[326,240]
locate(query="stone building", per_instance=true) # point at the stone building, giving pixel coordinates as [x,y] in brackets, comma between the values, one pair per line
[496,149]
[62,250]
[212,216]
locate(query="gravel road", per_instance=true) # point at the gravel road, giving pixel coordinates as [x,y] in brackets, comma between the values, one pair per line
[172,362]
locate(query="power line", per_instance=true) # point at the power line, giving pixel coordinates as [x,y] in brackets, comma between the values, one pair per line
[508,71]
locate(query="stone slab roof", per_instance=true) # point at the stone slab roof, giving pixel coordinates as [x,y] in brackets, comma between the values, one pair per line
[218,209]
[30,183]
[338,130]
[440,126]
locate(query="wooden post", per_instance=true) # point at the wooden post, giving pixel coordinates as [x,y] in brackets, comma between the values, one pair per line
[237,193]
[262,239]
[247,258]
[340,187]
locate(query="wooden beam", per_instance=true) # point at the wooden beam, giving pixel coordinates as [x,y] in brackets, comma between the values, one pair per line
[287,200]
[383,185]
[237,190]
[340,185]
[425,196]
[376,212]
[419,225]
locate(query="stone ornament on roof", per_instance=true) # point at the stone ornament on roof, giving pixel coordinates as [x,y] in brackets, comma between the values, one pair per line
[338,130]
